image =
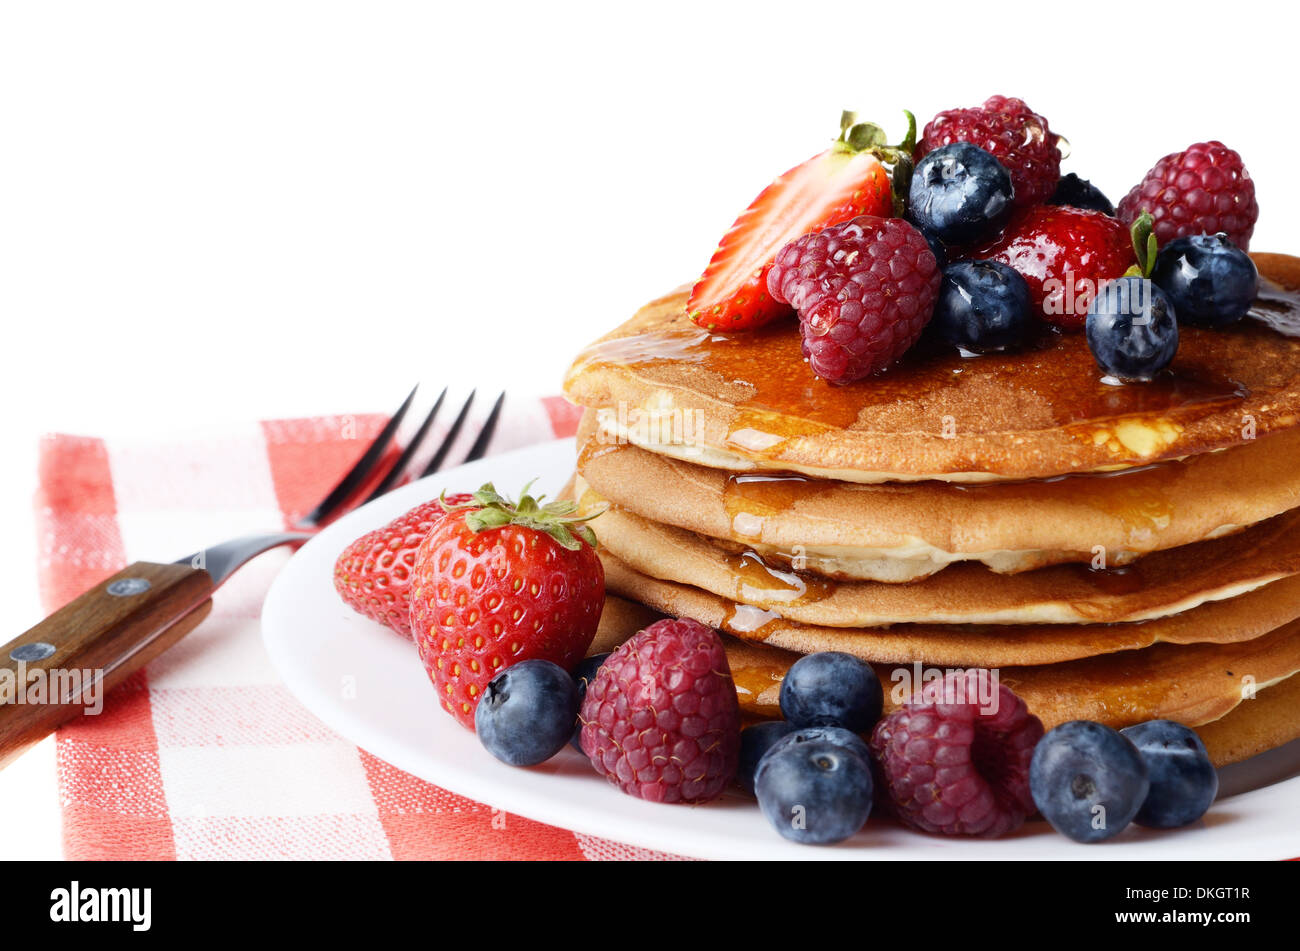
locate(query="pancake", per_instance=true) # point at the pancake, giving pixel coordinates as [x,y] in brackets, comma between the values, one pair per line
[967,645]
[1264,723]
[1161,584]
[1193,684]
[898,533]
[750,402]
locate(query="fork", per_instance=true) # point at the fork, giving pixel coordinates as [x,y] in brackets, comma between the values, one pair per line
[93,643]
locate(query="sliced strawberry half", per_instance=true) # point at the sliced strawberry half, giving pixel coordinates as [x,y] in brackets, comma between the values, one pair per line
[849,179]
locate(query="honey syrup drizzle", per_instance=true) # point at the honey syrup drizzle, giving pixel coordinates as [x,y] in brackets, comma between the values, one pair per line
[1055,382]
[750,498]
[1278,308]
[757,687]
[758,582]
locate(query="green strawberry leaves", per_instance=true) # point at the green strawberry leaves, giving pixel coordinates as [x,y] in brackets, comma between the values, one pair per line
[489,509]
[867,137]
[1144,246]
[856,136]
[860,136]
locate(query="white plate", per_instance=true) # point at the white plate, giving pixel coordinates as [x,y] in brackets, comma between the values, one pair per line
[366,683]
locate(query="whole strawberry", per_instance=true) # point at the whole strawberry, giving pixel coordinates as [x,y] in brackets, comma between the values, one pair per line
[955,758]
[1016,136]
[373,574]
[847,180]
[496,583]
[864,291]
[1205,189]
[1065,255]
[661,720]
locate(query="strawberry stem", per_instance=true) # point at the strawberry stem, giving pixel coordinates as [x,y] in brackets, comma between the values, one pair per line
[908,144]
[1144,245]
[856,136]
[489,509]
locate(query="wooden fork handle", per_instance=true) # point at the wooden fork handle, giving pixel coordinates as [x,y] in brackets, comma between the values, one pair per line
[63,666]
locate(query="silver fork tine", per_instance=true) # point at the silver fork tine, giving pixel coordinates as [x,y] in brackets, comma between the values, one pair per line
[438,457]
[404,460]
[222,560]
[362,470]
[479,449]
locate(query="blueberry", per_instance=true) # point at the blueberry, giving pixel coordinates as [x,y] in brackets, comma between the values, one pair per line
[527,713]
[1080,193]
[827,734]
[1209,280]
[814,793]
[584,674]
[1132,330]
[1087,780]
[959,194]
[755,741]
[983,306]
[831,688]
[1183,780]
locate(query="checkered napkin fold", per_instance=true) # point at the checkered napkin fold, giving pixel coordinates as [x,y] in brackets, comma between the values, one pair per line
[205,754]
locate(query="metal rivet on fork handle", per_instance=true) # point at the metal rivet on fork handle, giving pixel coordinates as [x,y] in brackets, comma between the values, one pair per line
[125,587]
[37,650]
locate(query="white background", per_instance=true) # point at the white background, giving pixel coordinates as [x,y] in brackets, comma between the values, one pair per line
[233,210]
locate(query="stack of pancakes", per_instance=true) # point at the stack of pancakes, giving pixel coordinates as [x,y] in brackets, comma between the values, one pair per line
[1116,552]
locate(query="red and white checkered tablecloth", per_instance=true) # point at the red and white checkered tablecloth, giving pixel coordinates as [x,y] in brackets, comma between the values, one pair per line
[205,754]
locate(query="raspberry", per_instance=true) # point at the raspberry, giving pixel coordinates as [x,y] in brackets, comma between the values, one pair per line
[953,767]
[1204,189]
[373,574]
[1016,136]
[864,291]
[661,720]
